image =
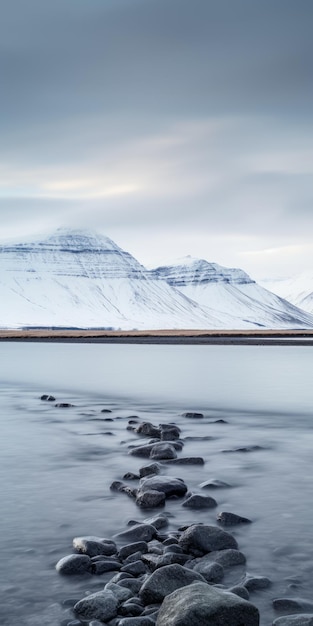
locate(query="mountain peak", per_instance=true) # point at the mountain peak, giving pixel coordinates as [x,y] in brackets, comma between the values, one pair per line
[192,271]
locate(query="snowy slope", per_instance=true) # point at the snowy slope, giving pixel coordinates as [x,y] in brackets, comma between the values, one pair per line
[298,289]
[76,278]
[80,279]
[231,291]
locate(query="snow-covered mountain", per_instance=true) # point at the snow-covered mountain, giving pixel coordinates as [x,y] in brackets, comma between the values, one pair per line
[80,279]
[231,291]
[297,289]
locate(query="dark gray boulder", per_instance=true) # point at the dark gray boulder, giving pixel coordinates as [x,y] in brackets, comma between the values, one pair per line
[196,501]
[240,591]
[94,546]
[231,519]
[47,398]
[105,565]
[101,605]
[150,499]
[131,548]
[167,484]
[193,415]
[137,568]
[198,540]
[292,605]
[148,430]
[254,583]
[212,572]
[227,558]
[169,432]
[149,470]
[138,532]
[163,451]
[74,564]
[165,580]
[202,604]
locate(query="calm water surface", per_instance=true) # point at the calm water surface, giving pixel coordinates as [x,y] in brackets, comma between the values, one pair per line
[57,464]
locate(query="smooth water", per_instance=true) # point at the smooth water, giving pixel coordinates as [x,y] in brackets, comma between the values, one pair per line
[57,464]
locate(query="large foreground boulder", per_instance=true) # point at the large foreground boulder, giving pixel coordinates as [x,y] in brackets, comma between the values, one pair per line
[102,605]
[202,604]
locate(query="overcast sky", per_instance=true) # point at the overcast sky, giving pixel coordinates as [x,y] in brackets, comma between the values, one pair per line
[173,126]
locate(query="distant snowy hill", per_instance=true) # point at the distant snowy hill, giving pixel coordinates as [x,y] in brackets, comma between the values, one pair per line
[298,289]
[80,279]
[231,291]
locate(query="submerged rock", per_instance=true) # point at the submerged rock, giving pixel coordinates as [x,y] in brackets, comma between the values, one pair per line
[47,398]
[304,619]
[192,415]
[214,484]
[202,604]
[138,532]
[150,499]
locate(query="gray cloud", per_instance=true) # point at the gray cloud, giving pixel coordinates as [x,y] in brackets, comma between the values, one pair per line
[158,115]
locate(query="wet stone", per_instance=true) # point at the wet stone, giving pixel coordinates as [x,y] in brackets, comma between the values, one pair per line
[131,476]
[131,548]
[214,484]
[149,470]
[137,568]
[63,405]
[196,501]
[228,558]
[212,572]
[165,580]
[93,546]
[74,564]
[231,519]
[138,532]
[240,591]
[101,605]
[304,619]
[254,583]
[187,460]
[203,604]
[121,593]
[47,398]
[108,565]
[130,609]
[133,584]
[244,449]
[163,451]
[148,430]
[136,621]
[150,499]
[106,411]
[200,539]
[168,485]
[292,605]
[192,415]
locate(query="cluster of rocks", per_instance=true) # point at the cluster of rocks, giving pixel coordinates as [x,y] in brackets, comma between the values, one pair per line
[165,577]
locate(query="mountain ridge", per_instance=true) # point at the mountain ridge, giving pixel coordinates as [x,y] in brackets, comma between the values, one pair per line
[79,278]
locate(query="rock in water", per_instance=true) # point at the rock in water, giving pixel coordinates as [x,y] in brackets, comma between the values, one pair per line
[202,604]
[74,564]
[165,580]
[102,605]
[192,415]
[198,540]
[304,619]
[231,519]
[92,546]
[167,484]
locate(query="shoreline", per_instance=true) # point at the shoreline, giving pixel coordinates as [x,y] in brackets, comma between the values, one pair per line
[167,337]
